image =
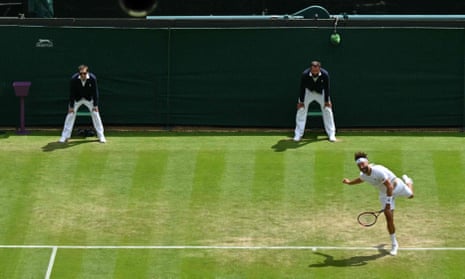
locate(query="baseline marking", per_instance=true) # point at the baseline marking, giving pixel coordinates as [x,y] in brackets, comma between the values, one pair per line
[186,247]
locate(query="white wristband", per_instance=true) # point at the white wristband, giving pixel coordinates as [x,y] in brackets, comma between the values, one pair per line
[388,200]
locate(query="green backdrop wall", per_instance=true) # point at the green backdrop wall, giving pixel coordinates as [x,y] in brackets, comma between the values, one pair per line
[236,76]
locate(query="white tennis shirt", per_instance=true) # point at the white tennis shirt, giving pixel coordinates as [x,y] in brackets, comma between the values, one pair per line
[379,174]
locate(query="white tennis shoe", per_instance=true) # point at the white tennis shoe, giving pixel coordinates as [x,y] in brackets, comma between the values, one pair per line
[407,179]
[394,249]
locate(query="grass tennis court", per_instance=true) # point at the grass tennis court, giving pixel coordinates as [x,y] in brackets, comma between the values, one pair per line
[226,205]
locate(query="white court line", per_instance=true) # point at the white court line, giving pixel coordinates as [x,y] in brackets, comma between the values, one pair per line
[51,262]
[187,247]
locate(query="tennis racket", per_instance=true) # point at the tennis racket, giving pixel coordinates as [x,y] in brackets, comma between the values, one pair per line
[368,218]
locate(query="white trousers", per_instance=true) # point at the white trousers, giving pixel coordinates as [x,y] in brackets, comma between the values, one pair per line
[71,117]
[301,116]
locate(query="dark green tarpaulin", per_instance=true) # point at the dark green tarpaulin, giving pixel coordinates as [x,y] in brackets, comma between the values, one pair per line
[381,77]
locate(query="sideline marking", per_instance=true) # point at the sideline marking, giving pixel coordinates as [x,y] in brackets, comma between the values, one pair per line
[51,262]
[186,247]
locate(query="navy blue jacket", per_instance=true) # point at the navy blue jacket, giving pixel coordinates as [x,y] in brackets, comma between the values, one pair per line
[89,91]
[320,85]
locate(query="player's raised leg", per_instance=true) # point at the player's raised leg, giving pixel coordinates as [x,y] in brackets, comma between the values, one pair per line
[409,182]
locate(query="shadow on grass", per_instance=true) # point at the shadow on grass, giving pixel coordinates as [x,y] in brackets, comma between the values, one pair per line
[311,135]
[52,146]
[352,261]
[289,143]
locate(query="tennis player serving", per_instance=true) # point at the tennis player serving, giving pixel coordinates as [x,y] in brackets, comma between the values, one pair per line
[389,186]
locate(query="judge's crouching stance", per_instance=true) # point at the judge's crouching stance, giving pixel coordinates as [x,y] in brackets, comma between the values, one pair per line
[83,91]
[314,86]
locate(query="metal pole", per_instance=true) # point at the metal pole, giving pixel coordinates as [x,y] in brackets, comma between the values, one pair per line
[21,90]
[168,83]
[463,89]
[22,129]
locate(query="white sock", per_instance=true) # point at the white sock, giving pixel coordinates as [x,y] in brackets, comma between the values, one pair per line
[393,239]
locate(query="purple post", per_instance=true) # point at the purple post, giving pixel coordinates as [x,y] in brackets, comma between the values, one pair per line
[21,91]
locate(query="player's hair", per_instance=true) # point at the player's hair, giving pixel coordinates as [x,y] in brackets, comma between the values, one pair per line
[360,154]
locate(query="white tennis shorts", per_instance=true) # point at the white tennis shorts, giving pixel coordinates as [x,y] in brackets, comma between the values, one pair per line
[400,190]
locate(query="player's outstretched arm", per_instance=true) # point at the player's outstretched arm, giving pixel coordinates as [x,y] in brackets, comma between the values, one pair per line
[352,182]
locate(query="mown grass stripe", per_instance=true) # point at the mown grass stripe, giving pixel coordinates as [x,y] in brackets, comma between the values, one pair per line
[21,200]
[237,177]
[421,168]
[208,175]
[267,196]
[172,205]
[9,194]
[134,261]
[299,175]
[83,201]
[356,198]
[391,157]
[15,263]
[106,209]
[202,216]
[449,169]
[147,183]
[91,197]
[327,164]
[68,264]
[149,170]
[174,198]
[97,265]
[194,266]
[268,181]
[147,177]
[236,192]
[54,197]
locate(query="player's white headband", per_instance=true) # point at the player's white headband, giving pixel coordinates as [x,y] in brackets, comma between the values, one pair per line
[361,160]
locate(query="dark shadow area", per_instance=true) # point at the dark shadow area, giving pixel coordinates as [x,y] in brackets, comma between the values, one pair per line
[289,143]
[352,261]
[189,131]
[403,131]
[52,146]
[144,131]
[3,135]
